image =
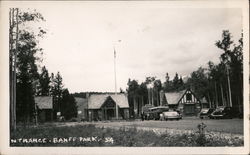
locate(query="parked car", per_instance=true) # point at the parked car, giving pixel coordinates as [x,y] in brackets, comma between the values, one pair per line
[171,115]
[222,113]
[205,112]
[154,112]
[146,112]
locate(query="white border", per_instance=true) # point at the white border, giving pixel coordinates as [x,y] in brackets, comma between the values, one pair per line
[4,84]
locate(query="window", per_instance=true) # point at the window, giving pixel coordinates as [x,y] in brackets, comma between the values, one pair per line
[189,97]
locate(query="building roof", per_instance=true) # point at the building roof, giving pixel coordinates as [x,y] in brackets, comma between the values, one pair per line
[81,103]
[174,97]
[203,100]
[96,100]
[44,102]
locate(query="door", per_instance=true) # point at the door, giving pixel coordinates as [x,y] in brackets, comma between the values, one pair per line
[189,109]
[110,114]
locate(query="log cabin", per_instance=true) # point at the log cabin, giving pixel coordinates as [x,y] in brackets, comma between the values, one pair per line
[103,106]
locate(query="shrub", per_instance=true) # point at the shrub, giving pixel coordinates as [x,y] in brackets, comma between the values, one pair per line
[128,137]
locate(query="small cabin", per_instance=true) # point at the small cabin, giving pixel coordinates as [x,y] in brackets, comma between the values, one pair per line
[44,106]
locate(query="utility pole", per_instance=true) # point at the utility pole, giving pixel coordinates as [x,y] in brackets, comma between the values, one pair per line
[116,106]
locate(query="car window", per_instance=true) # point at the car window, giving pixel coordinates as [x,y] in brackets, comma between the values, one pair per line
[171,112]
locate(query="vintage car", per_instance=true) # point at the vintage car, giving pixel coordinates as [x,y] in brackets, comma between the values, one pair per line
[222,113]
[154,112]
[171,115]
[205,112]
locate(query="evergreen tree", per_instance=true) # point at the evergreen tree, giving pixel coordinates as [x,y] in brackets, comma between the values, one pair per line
[176,81]
[68,105]
[56,90]
[44,81]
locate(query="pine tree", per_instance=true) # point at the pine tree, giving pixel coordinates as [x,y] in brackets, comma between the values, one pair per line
[56,91]
[68,105]
[44,81]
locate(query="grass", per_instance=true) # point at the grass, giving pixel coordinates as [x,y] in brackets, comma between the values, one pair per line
[234,126]
[90,135]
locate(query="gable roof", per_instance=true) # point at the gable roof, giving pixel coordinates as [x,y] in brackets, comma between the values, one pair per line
[174,97]
[44,102]
[96,100]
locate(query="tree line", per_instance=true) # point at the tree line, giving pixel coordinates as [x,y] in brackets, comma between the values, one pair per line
[25,58]
[220,84]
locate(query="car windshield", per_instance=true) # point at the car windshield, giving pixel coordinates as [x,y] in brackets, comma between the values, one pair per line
[204,110]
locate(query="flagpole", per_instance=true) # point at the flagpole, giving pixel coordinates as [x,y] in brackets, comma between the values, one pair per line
[116,106]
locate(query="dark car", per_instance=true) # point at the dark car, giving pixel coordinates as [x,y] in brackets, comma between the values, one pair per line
[154,112]
[222,113]
[205,112]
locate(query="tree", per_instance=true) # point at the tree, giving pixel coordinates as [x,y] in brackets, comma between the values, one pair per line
[232,59]
[44,81]
[168,85]
[157,88]
[68,105]
[167,78]
[176,80]
[24,56]
[198,82]
[56,91]
[133,89]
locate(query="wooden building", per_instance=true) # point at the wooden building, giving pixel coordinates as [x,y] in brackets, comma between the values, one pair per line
[103,106]
[44,108]
[185,101]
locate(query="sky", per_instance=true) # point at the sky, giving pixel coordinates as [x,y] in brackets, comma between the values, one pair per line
[154,40]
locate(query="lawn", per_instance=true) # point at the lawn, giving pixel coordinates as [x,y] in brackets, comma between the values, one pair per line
[232,126]
[90,135]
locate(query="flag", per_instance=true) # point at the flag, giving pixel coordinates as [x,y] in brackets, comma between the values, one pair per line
[114,53]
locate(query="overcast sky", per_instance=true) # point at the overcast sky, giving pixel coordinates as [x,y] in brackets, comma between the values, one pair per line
[154,40]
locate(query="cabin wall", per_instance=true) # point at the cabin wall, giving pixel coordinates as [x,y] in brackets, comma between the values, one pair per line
[45,115]
[107,114]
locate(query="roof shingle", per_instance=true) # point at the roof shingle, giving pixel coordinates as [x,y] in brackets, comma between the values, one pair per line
[174,97]
[81,103]
[44,102]
[96,100]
